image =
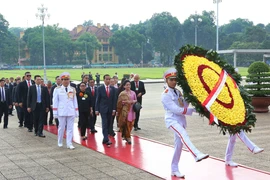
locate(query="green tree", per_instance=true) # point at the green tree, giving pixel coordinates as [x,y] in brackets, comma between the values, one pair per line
[87,43]
[88,23]
[163,31]
[16,31]
[128,45]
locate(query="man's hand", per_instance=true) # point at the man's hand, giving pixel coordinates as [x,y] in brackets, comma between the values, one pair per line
[113,113]
[139,95]
[10,106]
[97,113]
[47,109]
[29,110]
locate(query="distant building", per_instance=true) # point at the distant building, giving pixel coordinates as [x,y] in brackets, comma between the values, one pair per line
[106,53]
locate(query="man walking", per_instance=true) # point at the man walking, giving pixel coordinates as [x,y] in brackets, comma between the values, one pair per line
[138,87]
[38,104]
[106,106]
[6,102]
[93,118]
[65,108]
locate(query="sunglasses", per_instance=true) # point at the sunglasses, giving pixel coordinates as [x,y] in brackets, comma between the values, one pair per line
[28,75]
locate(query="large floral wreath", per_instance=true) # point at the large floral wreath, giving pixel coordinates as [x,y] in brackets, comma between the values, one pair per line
[213,87]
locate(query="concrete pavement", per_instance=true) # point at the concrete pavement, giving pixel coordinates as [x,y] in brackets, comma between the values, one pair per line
[24,156]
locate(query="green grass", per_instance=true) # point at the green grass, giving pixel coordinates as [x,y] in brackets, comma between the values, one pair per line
[145,73]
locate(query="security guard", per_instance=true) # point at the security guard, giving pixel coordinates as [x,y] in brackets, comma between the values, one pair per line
[65,108]
[176,108]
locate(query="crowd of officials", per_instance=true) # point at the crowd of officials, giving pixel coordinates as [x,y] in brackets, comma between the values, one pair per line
[38,104]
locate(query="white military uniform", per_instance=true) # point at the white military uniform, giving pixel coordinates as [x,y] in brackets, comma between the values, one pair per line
[231,143]
[176,121]
[65,107]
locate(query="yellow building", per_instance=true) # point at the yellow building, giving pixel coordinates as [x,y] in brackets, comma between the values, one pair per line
[106,53]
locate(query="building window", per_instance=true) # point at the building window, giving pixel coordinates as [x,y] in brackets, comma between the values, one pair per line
[100,57]
[105,47]
[110,48]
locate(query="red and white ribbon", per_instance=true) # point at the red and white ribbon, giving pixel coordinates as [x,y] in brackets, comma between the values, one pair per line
[214,94]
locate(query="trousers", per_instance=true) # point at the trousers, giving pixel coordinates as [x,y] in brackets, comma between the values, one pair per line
[231,143]
[181,137]
[65,122]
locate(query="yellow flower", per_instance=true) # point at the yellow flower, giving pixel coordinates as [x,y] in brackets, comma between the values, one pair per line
[202,74]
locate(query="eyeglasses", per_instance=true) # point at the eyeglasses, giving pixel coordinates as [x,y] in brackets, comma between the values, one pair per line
[29,75]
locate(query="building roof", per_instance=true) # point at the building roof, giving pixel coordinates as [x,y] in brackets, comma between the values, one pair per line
[99,31]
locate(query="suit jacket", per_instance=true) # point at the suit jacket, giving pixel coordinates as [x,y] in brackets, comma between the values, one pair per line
[7,97]
[22,91]
[14,94]
[93,97]
[105,104]
[10,87]
[32,97]
[141,89]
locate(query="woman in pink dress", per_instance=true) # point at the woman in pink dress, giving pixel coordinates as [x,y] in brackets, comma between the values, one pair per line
[126,115]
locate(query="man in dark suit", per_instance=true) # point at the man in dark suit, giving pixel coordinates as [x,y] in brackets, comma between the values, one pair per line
[93,93]
[22,91]
[38,103]
[106,106]
[9,86]
[138,87]
[58,83]
[5,102]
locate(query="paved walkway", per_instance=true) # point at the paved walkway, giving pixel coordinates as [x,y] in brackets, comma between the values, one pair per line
[24,156]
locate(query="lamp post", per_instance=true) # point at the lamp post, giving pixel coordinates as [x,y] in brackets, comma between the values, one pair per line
[42,14]
[217,2]
[85,54]
[196,21]
[142,51]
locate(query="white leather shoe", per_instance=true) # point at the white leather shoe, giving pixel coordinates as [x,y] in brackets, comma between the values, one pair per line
[257,150]
[177,174]
[201,156]
[60,145]
[71,147]
[231,163]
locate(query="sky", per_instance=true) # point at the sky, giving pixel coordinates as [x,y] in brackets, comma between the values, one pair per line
[70,13]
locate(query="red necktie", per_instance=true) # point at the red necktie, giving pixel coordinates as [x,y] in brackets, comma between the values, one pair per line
[137,84]
[93,92]
[28,83]
[107,91]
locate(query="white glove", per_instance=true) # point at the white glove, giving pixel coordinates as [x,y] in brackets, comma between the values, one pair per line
[190,111]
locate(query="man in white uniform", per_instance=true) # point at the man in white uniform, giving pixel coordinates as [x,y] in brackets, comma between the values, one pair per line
[231,143]
[176,108]
[65,108]
[230,147]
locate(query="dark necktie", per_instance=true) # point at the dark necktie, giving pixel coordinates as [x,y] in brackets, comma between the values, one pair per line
[175,91]
[66,89]
[93,91]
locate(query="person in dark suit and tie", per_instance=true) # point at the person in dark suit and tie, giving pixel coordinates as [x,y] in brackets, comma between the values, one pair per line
[38,103]
[5,102]
[93,118]
[22,91]
[106,106]
[138,87]
[9,86]
[58,83]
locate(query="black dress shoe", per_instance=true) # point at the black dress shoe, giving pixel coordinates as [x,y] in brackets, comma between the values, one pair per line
[93,131]
[42,135]
[138,128]
[107,142]
[20,125]
[51,124]
[5,127]
[112,134]
[135,129]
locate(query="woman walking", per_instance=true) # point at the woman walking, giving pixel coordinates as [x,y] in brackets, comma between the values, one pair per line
[126,115]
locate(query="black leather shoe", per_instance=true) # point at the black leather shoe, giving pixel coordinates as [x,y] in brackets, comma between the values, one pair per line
[5,127]
[135,129]
[51,124]
[138,128]
[93,131]
[112,134]
[20,125]
[107,142]
[42,135]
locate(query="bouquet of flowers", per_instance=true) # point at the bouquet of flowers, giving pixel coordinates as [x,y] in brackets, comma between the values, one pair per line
[213,87]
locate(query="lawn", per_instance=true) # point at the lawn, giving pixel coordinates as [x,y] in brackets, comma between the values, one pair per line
[145,73]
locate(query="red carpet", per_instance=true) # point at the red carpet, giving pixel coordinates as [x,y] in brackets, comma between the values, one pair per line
[155,158]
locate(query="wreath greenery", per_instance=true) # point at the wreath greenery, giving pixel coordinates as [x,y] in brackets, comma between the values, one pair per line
[240,116]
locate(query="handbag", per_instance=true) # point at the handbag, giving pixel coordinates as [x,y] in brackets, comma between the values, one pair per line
[136,107]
